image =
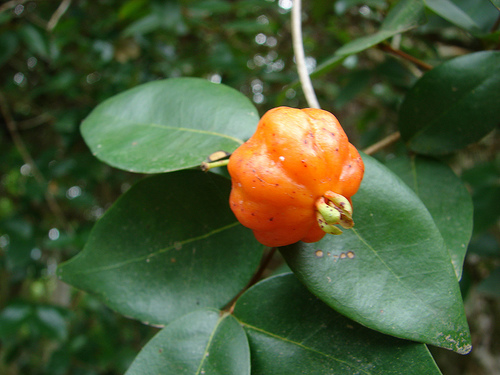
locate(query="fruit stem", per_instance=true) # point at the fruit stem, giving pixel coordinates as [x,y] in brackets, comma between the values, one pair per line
[205,166]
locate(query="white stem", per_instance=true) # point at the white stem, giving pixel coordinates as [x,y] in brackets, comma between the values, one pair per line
[298,49]
[61,9]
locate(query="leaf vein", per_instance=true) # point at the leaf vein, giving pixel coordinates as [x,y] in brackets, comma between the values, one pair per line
[248,326]
[157,252]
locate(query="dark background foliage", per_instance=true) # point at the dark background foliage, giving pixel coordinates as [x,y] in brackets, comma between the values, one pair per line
[59,60]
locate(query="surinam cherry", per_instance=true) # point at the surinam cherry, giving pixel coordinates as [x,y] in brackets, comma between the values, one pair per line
[294,178]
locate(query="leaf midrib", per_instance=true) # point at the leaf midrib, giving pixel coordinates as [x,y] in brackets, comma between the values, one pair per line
[128,123]
[151,255]
[398,278]
[312,350]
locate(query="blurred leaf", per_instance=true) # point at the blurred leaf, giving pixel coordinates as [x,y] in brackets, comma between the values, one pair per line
[131,8]
[145,25]
[59,362]
[46,320]
[202,342]
[485,245]
[452,13]
[35,41]
[164,15]
[169,125]
[356,82]
[392,272]
[21,241]
[8,46]
[13,317]
[51,321]
[211,7]
[483,13]
[341,6]
[169,246]
[446,198]
[496,3]
[290,331]
[406,15]
[452,105]
[247,26]
[490,285]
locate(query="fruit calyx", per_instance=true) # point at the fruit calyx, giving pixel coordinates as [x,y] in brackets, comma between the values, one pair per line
[333,209]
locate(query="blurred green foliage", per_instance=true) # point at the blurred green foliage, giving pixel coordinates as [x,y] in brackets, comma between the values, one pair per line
[59,60]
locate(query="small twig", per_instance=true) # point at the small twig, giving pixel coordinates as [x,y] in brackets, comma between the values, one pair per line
[256,277]
[27,158]
[387,48]
[298,50]
[387,141]
[34,122]
[61,9]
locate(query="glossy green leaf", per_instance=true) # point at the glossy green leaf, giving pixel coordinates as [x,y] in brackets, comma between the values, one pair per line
[202,342]
[391,272]
[290,331]
[406,15]
[452,105]
[169,125]
[446,198]
[452,13]
[169,246]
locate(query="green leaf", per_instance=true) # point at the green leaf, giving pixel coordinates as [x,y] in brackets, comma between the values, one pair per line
[165,15]
[203,342]
[169,125]
[496,3]
[452,13]
[169,246]
[446,198]
[391,272]
[483,13]
[406,15]
[35,41]
[292,332]
[452,105]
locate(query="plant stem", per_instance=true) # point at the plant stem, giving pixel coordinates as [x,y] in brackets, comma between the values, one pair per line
[387,141]
[298,50]
[61,9]
[206,166]
[256,277]
[422,65]
[28,159]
